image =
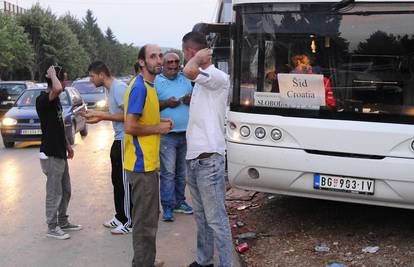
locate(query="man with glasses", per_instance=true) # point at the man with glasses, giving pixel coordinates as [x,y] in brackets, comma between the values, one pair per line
[55,149]
[173,90]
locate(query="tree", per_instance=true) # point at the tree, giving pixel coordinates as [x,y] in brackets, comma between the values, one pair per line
[380,43]
[53,42]
[109,36]
[16,53]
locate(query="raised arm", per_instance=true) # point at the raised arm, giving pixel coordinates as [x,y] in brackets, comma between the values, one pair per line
[200,59]
[57,87]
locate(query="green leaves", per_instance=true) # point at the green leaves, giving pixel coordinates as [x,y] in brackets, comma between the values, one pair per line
[36,39]
[16,52]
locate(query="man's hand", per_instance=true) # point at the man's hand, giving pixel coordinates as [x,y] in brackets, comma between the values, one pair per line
[186,99]
[70,151]
[172,102]
[51,72]
[166,126]
[92,116]
[204,56]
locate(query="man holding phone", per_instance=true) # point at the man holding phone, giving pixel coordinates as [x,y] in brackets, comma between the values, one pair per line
[173,90]
[54,152]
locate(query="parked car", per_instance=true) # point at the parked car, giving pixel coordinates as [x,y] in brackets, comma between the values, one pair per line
[94,97]
[21,122]
[10,91]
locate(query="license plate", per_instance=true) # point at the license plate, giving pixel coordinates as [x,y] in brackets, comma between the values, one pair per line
[344,184]
[31,132]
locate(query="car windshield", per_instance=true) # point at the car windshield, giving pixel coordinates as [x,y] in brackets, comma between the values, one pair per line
[87,87]
[28,98]
[12,88]
[302,56]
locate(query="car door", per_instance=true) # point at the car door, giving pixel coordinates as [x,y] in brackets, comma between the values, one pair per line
[77,107]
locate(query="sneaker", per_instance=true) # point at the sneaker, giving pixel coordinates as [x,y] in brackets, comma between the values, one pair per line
[112,223]
[71,227]
[57,233]
[121,230]
[168,215]
[184,208]
[195,264]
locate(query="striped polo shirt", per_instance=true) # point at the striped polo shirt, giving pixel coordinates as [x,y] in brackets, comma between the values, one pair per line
[142,152]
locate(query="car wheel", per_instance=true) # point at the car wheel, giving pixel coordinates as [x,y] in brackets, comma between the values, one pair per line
[84,131]
[71,134]
[8,144]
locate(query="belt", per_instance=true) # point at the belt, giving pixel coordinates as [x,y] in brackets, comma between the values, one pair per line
[204,155]
[176,133]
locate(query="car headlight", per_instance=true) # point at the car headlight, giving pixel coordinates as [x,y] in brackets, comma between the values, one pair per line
[244,131]
[101,103]
[260,132]
[9,122]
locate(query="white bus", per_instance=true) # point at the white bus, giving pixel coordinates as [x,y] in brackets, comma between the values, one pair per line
[322,102]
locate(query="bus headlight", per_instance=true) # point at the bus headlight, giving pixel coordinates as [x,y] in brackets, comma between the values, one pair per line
[412,145]
[260,132]
[9,122]
[276,134]
[244,131]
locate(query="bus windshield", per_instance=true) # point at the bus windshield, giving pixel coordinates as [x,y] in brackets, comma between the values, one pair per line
[357,61]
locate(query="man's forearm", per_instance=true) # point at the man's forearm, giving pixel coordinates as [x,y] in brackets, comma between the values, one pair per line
[141,130]
[112,117]
[191,69]
[163,104]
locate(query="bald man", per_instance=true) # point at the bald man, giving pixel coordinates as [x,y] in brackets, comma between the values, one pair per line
[173,90]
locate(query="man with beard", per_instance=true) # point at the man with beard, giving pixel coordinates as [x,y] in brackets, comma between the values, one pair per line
[143,127]
[173,90]
[100,75]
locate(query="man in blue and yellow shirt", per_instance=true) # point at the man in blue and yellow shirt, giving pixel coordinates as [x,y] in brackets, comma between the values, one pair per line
[143,127]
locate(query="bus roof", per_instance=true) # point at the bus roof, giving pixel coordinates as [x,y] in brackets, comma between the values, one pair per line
[238,2]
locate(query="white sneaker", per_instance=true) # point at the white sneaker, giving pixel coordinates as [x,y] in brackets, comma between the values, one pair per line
[112,223]
[121,230]
[57,233]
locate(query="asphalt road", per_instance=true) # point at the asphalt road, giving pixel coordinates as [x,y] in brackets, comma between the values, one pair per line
[23,239]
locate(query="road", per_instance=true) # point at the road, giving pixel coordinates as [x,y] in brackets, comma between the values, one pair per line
[23,239]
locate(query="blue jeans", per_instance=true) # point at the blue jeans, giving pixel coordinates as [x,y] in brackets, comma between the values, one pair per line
[173,171]
[206,182]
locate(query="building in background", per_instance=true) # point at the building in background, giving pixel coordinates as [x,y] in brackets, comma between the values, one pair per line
[10,8]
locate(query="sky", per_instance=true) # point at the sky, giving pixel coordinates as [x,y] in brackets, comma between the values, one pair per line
[162,22]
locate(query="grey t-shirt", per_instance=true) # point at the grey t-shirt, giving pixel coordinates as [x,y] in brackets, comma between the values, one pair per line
[116,102]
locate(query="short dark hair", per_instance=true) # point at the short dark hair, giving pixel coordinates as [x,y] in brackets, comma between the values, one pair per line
[142,52]
[196,40]
[60,74]
[99,67]
[137,68]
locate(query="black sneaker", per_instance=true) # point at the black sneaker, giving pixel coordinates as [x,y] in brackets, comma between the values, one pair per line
[195,264]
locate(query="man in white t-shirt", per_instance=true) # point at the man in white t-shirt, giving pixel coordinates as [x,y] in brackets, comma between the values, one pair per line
[206,152]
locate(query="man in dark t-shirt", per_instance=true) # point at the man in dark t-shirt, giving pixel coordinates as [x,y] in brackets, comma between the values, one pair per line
[54,152]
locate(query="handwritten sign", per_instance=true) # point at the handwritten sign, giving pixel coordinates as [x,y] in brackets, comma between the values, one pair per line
[301,90]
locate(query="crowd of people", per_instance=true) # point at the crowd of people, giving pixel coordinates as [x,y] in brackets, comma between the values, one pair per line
[169,134]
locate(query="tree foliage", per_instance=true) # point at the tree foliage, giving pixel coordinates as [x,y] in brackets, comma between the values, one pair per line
[37,39]
[16,52]
[53,42]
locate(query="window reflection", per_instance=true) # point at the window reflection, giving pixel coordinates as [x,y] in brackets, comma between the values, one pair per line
[365,60]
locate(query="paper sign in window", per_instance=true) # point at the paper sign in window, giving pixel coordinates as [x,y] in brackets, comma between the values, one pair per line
[301,90]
